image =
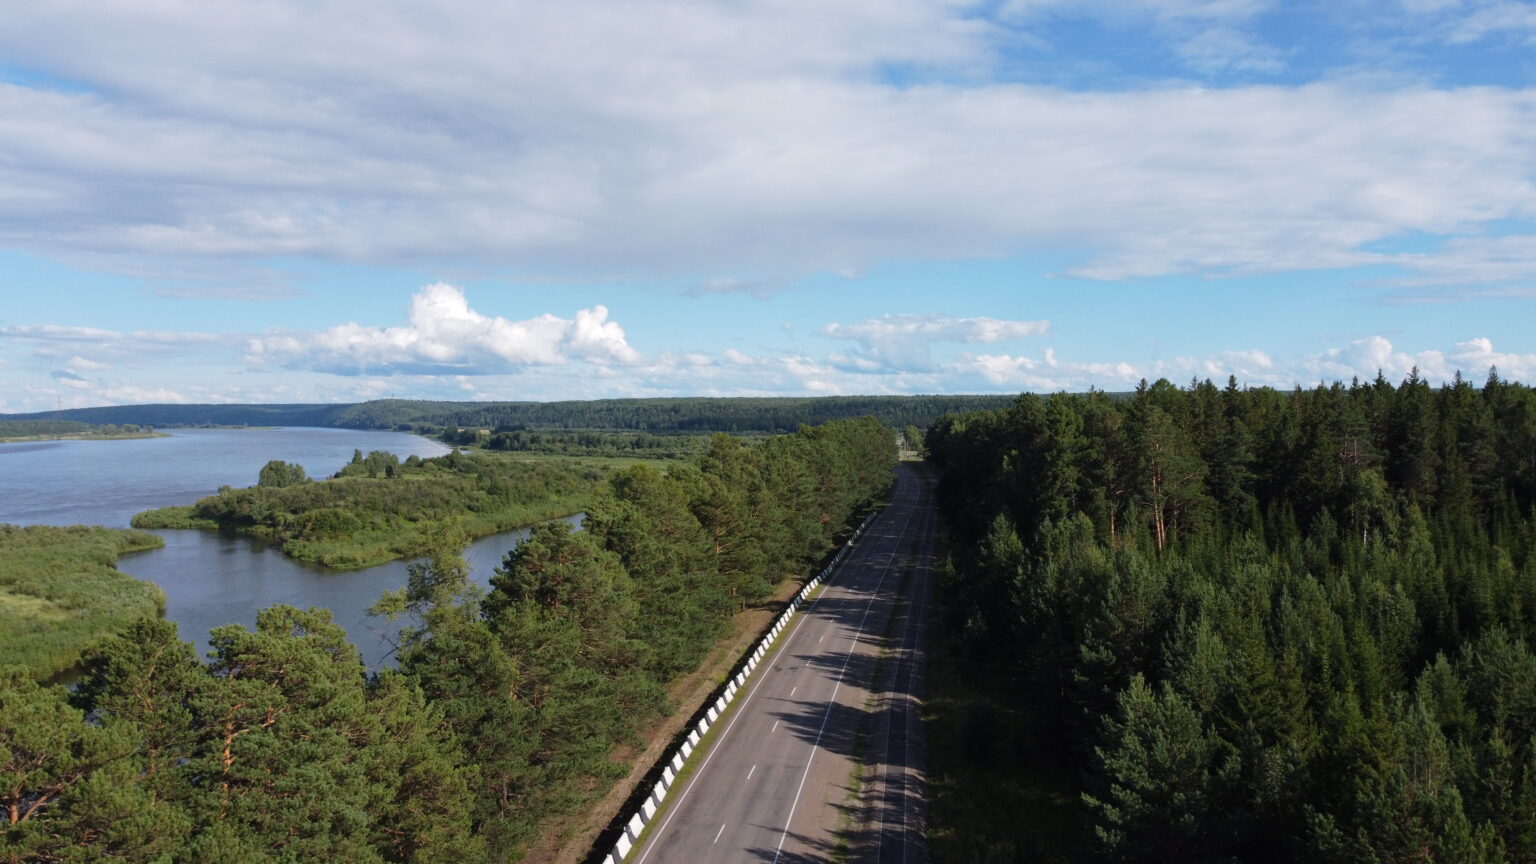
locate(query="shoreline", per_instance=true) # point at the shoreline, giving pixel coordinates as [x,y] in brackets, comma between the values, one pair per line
[26,439]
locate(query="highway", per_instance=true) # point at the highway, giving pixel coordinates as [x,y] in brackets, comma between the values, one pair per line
[783,780]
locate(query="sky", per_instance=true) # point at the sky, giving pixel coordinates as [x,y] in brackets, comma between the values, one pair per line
[338,200]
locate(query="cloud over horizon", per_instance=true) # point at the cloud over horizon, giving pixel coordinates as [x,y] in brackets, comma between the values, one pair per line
[904,341]
[446,337]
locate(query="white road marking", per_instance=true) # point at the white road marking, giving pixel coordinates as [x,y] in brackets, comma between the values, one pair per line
[719,742]
[775,725]
[857,634]
[792,691]
[749,773]
[721,831]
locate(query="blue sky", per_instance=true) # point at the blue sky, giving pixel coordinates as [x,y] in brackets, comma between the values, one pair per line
[339,200]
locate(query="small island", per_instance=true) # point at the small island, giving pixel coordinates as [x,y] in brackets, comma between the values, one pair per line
[378,508]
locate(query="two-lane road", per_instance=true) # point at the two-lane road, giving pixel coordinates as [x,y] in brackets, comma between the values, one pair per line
[782,781]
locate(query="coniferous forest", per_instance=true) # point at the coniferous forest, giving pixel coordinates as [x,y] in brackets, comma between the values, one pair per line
[1252,625]
[502,715]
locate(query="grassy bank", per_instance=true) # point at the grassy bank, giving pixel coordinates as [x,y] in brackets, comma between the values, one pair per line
[123,436]
[380,509]
[60,593]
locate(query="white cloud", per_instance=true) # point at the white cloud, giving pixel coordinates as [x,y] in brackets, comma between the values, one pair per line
[735,145]
[1494,18]
[1361,358]
[1048,374]
[1207,36]
[445,336]
[1218,49]
[904,341]
[81,364]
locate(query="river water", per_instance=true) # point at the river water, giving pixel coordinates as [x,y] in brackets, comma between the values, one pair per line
[209,578]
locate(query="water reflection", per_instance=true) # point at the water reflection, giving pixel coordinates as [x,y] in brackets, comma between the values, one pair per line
[211,579]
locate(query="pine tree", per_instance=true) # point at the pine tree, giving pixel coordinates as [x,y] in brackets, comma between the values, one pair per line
[1166,781]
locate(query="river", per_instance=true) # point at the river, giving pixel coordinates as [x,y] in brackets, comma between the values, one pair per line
[212,579]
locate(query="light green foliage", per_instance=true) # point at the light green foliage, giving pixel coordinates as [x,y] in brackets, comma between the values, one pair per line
[69,788]
[506,707]
[277,474]
[378,509]
[568,653]
[278,750]
[60,593]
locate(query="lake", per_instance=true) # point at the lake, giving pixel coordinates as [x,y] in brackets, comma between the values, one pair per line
[212,579]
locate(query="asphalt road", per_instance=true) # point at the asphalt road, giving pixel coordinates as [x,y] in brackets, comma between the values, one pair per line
[782,781]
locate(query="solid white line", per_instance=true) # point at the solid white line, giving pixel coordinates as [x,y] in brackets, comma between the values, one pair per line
[718,833]
[874,595]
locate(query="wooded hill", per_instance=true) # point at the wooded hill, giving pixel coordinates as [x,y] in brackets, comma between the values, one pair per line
[695,414]
[503,713]
[1250,625]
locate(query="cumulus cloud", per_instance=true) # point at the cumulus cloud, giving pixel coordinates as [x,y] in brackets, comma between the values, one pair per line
[904,341]
[446,337]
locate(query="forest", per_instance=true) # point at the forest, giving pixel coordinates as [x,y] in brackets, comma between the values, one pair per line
[503,712]
[1232,624]
[735,415]
[377,508]
[580,442]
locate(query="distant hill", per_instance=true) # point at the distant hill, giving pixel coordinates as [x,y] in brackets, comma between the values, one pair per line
[690,414]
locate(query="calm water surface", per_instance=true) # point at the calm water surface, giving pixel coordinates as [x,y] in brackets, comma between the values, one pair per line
[106,482]
[211,579]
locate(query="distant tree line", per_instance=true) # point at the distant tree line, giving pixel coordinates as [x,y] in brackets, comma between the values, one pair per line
[578,442]
[71,428]
[1260,625]
[502,715]
[684,414]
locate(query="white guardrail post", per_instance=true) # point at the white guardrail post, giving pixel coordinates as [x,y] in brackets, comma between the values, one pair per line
[674,767]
